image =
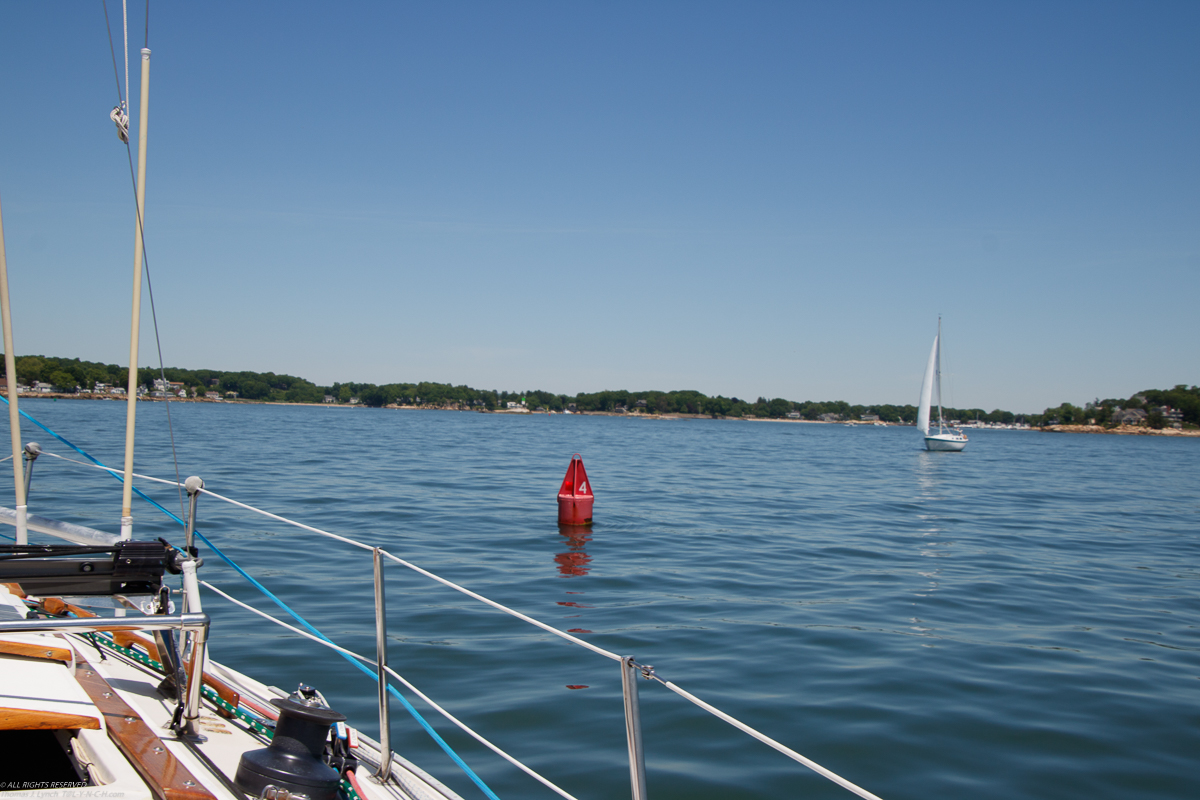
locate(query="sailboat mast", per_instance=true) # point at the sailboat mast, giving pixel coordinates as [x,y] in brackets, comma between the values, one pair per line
[14,418]
[138,249]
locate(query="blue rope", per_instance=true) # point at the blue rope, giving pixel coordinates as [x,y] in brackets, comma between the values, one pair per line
[77,449]
[362,667]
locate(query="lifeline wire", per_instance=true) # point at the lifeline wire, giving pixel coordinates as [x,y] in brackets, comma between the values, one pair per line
[795,756]
[767,740]
[395,692]
[360,545]
[415,568]
[267,592]
[403,680]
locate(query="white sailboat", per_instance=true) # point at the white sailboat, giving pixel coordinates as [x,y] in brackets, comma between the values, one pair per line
[946,438]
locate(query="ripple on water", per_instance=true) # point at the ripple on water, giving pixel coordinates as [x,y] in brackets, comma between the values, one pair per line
[1017,620]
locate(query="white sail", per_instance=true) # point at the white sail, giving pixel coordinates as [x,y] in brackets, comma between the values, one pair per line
[927,389]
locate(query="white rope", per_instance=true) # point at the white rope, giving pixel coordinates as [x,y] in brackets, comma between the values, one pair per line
[283,624]
[477,737]
[278,518]
[397,559]
[411,688]
[111,470]
[762,737]
[767,740]
[231,501]
[505,609]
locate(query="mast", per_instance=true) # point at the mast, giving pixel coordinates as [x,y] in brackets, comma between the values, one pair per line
[138,248]
[14,418]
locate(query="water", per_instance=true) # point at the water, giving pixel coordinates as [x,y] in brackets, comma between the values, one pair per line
[1017,620]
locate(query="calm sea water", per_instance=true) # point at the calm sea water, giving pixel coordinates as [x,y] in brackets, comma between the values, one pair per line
[1017,620]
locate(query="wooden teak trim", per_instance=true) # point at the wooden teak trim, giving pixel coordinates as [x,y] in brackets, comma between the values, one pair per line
[26,719]
[165,775]
[31,650]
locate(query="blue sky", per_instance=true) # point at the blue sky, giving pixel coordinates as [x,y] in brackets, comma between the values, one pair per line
[751,199]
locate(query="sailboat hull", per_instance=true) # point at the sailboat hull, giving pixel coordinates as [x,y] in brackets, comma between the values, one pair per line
[946,441]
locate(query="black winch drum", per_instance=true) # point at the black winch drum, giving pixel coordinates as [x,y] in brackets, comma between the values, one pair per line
[293,759]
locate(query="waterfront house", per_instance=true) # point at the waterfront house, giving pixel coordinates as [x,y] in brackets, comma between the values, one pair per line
[1130,416]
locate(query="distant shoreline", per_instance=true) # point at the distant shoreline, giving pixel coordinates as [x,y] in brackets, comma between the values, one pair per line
[1122,430]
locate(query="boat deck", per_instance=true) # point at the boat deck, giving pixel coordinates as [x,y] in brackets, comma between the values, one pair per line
[114,725]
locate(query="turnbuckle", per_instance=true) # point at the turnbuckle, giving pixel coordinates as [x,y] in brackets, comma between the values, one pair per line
[646,670]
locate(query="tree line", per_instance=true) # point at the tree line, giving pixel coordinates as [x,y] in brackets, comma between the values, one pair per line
[65,374]
[68,374]
[1154,402]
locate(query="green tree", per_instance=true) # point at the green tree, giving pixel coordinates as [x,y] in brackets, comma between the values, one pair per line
[1065,414]
[62,380]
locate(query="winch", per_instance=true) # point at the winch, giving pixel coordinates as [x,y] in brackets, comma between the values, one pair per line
[292,766]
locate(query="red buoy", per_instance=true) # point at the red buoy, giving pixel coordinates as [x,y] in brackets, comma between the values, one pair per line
[575,495]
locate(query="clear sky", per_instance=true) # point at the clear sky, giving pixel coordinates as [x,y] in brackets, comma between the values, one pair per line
[750,199]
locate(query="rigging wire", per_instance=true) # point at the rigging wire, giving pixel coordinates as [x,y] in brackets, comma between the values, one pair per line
[142,229]
[125,27]
[647,672]
[454,756]
[112,51]
[350,653]
[120,112]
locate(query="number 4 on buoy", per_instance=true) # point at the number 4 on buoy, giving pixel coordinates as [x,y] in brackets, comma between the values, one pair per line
[575,495]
